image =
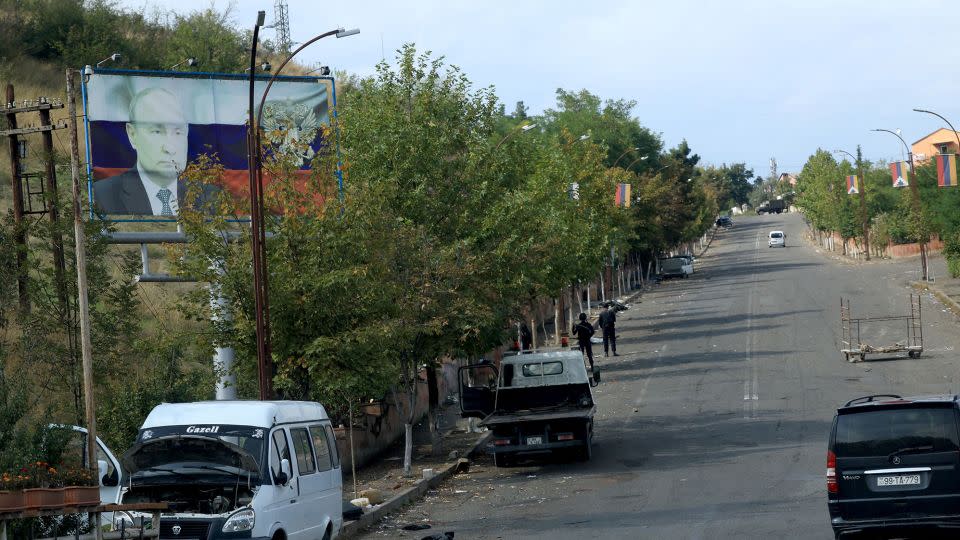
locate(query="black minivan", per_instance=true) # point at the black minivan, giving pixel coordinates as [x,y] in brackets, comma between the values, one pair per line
[893,467]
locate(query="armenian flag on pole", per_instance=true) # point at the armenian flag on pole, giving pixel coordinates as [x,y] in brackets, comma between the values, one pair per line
[899,172]
[853,185]
[947,170]
[622,197]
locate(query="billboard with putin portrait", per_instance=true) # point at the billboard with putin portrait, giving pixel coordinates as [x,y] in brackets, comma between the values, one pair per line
[144,128]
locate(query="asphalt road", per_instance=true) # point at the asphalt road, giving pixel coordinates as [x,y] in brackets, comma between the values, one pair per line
[713,422]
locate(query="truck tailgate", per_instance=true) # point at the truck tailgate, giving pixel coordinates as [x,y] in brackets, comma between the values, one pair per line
[515,418]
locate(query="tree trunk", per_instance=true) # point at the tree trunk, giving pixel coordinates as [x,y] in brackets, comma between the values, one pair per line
[408,449]
[433,406]
[557,310]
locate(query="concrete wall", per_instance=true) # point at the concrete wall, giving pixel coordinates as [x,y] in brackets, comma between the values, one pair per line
[379,425]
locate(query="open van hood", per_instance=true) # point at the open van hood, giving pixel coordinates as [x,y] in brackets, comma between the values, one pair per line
[173,449]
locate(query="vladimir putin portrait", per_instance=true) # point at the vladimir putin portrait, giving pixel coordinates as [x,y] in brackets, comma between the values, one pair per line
[157,130]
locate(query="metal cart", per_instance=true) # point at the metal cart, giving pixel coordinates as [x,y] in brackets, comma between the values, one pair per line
[855,350]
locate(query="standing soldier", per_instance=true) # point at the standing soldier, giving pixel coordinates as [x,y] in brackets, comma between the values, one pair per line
[607,323]
[584,331]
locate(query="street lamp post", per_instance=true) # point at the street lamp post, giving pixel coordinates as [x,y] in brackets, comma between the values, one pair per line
[957,135]
[258,233]
[641,158]
[858,159]
[625,152]
[915,193]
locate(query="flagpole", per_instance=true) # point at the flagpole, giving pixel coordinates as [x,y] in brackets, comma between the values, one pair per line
[917,207]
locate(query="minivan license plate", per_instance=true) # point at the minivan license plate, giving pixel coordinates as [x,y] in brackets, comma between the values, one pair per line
[901,480]
[539,440]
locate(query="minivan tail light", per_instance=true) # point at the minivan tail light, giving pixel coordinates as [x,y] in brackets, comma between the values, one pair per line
[501,442]
[832,486]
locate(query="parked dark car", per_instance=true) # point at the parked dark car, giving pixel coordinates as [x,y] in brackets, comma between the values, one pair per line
[724,221]
[893,467]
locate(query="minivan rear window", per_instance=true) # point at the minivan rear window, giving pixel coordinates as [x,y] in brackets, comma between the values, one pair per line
[883,432]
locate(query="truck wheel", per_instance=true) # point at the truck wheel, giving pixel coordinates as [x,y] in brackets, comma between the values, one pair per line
[586,451]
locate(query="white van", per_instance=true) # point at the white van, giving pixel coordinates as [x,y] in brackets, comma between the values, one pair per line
[777,238]
[239,469]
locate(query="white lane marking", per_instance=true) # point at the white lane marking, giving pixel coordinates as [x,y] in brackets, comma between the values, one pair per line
[751,382]
[646,382]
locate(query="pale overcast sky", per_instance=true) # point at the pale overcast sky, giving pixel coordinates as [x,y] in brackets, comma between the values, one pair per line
[741,80]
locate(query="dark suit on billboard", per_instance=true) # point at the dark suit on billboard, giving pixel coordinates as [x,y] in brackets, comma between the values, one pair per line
[124,194]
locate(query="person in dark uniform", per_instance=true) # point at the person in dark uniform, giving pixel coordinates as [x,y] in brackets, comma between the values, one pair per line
[583,330]
[608,323]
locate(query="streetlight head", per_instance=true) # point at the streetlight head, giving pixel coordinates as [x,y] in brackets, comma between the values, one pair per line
[345,33]
[643,158]
[528,127]
[193,62]
[898,131]
[584,137]
[115,57]
[265,66]
[261,17]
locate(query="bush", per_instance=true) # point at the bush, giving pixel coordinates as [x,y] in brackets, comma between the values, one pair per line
[951,251]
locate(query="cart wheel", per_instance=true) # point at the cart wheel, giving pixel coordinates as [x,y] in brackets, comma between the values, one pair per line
[846,356]
[914,354]
[863,357]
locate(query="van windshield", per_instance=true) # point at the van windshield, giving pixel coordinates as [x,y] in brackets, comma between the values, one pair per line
[776,235]
[247,438]
[884,432]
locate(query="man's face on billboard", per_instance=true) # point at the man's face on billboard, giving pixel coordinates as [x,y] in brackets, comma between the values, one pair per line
[158,132]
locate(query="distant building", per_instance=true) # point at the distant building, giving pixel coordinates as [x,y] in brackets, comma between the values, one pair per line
[941,141]
[788,178]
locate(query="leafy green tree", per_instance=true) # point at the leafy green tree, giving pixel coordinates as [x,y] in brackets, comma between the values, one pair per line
[609,124]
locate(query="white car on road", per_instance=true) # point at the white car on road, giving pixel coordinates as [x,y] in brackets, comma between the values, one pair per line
[777,239]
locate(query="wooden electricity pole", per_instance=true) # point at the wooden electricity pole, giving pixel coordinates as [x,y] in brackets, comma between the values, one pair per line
[83,303]
[20,232]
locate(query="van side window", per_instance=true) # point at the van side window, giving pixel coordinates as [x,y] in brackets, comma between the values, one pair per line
[334,451]
[321,447]
[279,452]
[301,447]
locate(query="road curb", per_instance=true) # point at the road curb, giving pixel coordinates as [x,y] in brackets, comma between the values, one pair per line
[942,296]
[412,493]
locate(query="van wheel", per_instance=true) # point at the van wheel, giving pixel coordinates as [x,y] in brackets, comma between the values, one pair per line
[502,460]
[329,534]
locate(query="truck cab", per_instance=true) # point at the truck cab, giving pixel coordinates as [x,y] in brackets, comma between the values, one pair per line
[538,403]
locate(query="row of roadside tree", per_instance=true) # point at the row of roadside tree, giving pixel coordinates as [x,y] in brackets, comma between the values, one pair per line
[891,214]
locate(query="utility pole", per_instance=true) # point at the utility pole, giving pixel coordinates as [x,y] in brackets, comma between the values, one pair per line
[85,346]
[53,210]
[20,233]
[863,203]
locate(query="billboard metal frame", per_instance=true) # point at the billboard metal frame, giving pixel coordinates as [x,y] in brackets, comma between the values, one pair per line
[332,104]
